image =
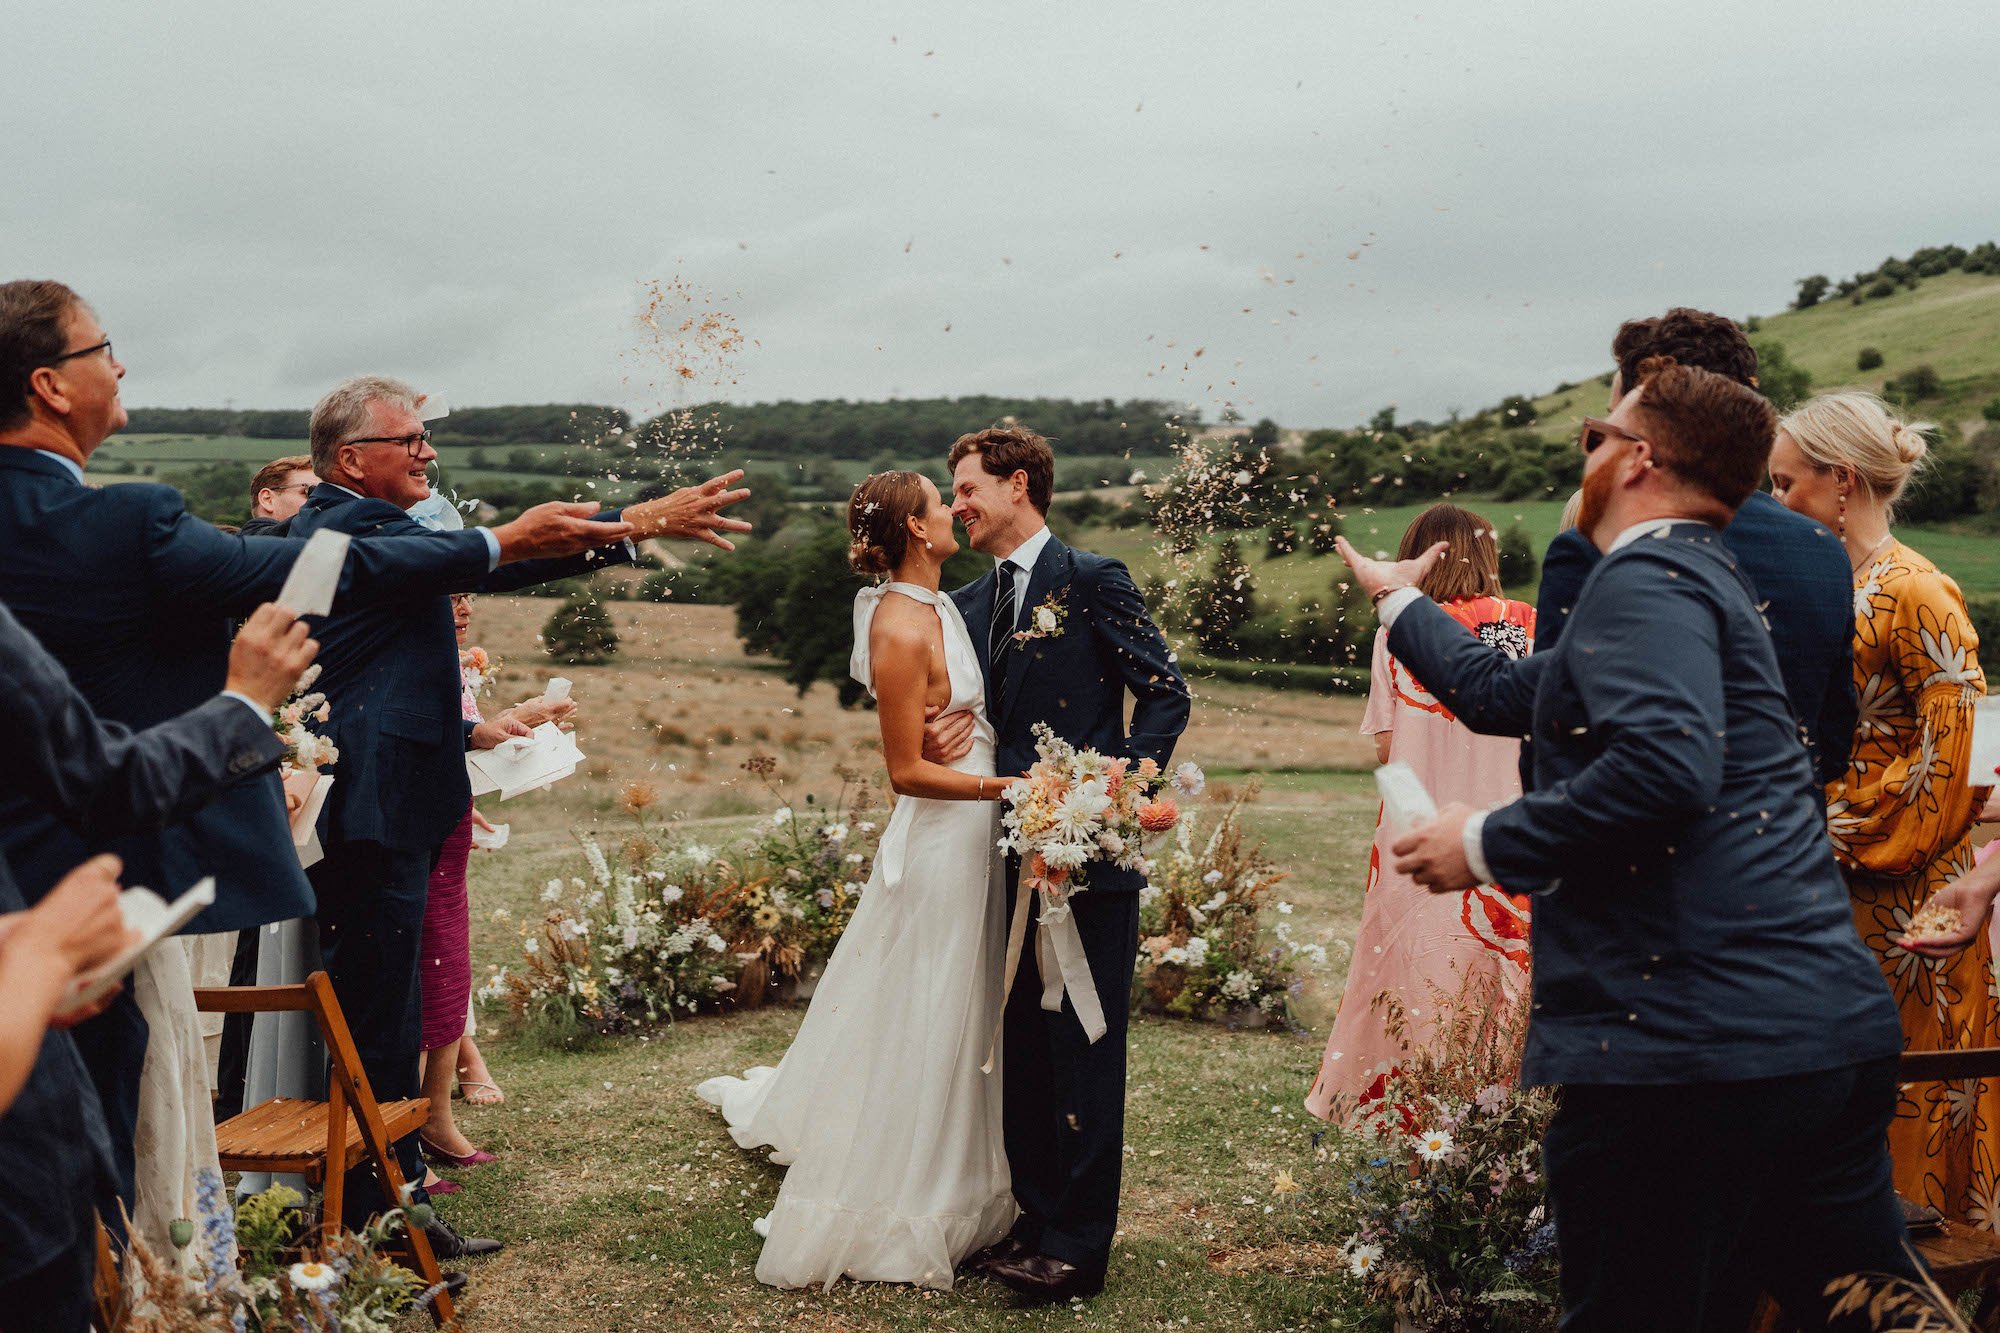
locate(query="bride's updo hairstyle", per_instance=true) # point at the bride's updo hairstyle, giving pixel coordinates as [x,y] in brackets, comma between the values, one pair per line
[878,520]
[1857,431]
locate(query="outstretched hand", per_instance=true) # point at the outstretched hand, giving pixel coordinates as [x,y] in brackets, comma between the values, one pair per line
[1434,855]
[1971,896]
[558,528]
[692,512]
[1379,576]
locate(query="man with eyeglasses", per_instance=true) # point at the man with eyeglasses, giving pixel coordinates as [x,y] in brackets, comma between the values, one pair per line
[277,491]
[136,597]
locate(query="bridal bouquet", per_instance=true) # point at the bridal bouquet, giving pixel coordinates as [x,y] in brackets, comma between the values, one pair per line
[1078,808]
[304,747]
[477,671]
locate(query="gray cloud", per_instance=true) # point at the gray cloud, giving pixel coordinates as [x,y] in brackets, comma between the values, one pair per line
[474,195]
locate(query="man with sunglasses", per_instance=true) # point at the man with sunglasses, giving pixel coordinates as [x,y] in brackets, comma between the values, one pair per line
[278,491]
[1725,1043]
[1798,568]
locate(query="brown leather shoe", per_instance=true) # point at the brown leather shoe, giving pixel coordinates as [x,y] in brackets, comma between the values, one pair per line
[1004,1250]
[1043,1280]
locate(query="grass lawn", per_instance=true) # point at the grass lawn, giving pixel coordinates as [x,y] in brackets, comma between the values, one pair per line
[626,1205]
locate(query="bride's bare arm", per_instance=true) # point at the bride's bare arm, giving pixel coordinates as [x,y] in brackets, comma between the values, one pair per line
[900,647]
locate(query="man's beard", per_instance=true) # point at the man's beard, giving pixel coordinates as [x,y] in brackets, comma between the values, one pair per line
[1598,487]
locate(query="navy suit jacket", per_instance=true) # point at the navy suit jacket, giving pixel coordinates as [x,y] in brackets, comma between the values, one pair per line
[1077,680]
[1806,586]
[95,778]
[136,598]
[390,672]
[1698,928]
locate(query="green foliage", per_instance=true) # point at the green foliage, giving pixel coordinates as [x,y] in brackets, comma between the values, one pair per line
[1985,615]
[1779,378]
[1518,564]
[1913,386]
[1868,358]
[580,632]
[1948,487]
[1516,412]
[925,427]
[1321,536]
[1991,411]
[218,492]
[1280,540]
[1811,291]
[816,612]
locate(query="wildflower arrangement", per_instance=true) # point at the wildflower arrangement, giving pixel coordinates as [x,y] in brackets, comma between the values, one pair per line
[638,942]
[1205,951]
[803,870]
[1077,808]
[351,1287]
[304,747]
[1444,1211]
[663,927]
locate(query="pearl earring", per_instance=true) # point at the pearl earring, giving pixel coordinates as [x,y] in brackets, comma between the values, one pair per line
[927,545]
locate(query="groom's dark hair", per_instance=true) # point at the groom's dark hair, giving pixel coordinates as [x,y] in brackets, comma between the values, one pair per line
[1005,450]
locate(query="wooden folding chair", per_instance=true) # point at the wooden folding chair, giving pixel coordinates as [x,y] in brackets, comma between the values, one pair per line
[321,1140]
[1960,1258]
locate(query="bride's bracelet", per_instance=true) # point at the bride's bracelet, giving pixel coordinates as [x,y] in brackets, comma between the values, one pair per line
[982,789]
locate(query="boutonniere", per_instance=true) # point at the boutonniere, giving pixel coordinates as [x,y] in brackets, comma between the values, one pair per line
[1046,620]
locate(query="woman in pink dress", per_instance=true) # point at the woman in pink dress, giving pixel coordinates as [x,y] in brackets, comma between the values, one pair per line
[1425,949]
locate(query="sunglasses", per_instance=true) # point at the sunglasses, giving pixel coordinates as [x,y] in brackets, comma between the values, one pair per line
[1596,431]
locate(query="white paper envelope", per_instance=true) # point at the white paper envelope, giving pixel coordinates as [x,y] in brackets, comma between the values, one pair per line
[489,842]
[556,690]
[154,918]
[524,763]
[304,822]
[315,576]
[434,408]
[1405,803]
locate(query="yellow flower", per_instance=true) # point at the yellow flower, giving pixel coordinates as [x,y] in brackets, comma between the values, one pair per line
[1284,1184]
[768,917]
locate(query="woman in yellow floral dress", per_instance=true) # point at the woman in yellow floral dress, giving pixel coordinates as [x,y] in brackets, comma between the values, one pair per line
[1901,816]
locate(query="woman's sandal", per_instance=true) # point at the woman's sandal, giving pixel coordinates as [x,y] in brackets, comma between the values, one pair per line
[491,1097]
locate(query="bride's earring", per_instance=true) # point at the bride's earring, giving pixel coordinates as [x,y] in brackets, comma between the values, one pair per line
[927,545]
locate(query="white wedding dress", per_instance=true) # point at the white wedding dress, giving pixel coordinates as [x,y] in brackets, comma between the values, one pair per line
[890,1131]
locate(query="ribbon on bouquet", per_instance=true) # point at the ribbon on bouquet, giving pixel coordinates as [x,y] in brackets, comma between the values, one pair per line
[1059,960]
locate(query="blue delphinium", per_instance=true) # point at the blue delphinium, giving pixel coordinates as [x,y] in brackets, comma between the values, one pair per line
[218,1227]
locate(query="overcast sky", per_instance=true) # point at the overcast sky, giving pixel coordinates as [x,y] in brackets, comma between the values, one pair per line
[1341,205]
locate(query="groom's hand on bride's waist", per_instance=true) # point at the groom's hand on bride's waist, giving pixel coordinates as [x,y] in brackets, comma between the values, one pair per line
[947,738]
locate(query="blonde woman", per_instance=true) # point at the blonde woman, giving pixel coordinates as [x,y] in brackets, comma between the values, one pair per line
[1901,814]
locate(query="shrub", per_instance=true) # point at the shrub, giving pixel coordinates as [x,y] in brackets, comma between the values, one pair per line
[1881,287]
[580,632]
[1516,411]
[1947,488]
[1226,600]
[1985,615]
[1518,565]
[1779,378]
[1281,540]
[1811,290]
[1992,410]
[1868,358]
[1320,536]
[1914,385]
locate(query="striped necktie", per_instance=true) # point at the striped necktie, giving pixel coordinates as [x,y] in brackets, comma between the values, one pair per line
[1002,628]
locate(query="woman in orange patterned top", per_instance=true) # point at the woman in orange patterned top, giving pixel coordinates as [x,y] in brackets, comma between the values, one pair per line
[1901,816]
[1420,948]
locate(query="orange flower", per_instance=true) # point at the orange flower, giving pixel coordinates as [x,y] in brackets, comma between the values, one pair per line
[1148,769]
[1159,816]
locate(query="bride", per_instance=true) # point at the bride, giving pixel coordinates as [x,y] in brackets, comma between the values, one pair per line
[880,1109]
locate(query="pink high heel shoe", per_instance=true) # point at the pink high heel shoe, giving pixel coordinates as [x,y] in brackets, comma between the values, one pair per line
[476,1157]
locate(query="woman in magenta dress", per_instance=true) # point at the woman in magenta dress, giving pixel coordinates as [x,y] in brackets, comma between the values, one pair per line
[444,964]
[1419,947]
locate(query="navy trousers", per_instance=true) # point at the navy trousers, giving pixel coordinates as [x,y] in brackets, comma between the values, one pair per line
[1063,1097]
[56,1298]
[371,919]
[1675,1205]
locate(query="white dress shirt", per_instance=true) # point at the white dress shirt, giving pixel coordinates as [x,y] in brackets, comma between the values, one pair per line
[1473,837]
[1023,558]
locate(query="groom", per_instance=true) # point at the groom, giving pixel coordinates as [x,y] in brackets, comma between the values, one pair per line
[1065,637]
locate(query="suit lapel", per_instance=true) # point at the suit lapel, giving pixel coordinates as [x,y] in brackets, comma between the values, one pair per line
[1051,568]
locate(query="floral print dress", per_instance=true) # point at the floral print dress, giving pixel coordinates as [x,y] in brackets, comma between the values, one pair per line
[1901,820]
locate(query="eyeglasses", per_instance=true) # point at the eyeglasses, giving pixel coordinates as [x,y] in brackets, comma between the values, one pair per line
[104,347]
[412,444]
[1596,432]
[295,486]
